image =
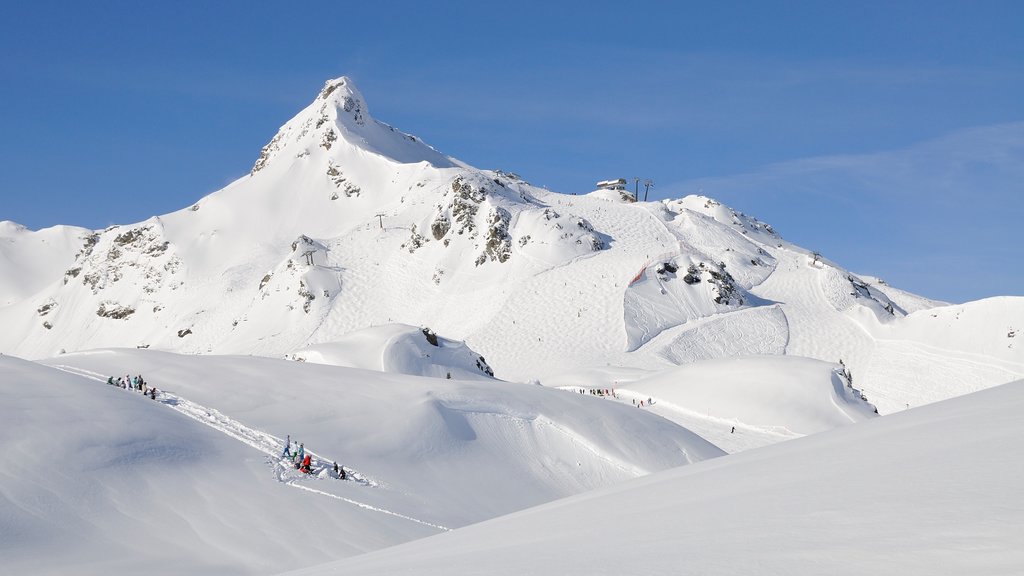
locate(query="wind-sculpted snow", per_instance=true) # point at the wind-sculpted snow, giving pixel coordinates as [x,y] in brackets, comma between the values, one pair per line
[736,402]
[401,349]
[272,447]
[91,464]
[346,224]
[397,431]
[929,491]
[844,291]
[340,112]
[100,480]
[30,260]
[742,333]
[383,273]
[667,295]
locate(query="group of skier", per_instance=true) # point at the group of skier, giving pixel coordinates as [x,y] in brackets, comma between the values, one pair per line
[610,392]
[303,461]
[129,382]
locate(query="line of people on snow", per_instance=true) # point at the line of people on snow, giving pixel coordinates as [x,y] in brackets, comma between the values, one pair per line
[599,392]
[134,383]
[303,461]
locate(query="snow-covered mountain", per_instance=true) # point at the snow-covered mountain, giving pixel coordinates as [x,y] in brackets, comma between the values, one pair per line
[346,224]
[466,344]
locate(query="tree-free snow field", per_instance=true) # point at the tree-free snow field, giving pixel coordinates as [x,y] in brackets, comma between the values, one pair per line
[933,490]
[513,380]
[197,472]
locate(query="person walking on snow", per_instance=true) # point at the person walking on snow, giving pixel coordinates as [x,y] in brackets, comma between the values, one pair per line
[287,447]
[302,450]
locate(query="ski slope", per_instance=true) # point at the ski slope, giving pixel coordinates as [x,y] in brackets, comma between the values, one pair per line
[367,227]
[930,490]
[425,456]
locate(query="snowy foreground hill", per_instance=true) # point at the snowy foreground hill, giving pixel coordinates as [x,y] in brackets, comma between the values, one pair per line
[517,380]
[934,490]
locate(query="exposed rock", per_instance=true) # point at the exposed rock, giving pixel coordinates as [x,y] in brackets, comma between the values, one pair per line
[47,306]
[416,240]
[307,296]
[109,309]
[353,107]
[482,365]
[341,182]
[440,226]
[692,275]
[497,243]
[328,88]
[328,140]
[273,146]
[72,273]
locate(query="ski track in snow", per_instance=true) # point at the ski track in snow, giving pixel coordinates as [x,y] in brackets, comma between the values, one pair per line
[761,330]
[262,441]
[810,333]
[714,429]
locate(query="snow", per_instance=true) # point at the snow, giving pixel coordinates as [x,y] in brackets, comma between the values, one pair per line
[347,292]
[29,260]
[927,491]
[399,233]
[401,349]
[98,480]
[430,454]
[737,403]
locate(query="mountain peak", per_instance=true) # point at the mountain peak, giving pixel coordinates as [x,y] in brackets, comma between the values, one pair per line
[337,117]
[342,95]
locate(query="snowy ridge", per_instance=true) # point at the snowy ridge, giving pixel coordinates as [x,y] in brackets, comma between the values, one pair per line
[346,224]
[881,497]
[346,293]
[262,441]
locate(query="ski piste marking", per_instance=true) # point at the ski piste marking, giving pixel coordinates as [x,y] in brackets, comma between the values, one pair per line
[266,443]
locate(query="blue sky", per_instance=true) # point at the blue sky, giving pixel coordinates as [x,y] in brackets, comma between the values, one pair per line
[889,136]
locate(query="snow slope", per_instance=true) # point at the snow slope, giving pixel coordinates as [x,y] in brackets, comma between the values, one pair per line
[99,480]
[346,224]
[737,403]
[928,491]
[378,268]
[29,260]
[401,349]
[186,472]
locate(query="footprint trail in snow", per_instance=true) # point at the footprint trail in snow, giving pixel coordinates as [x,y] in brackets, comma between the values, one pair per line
[267,443]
